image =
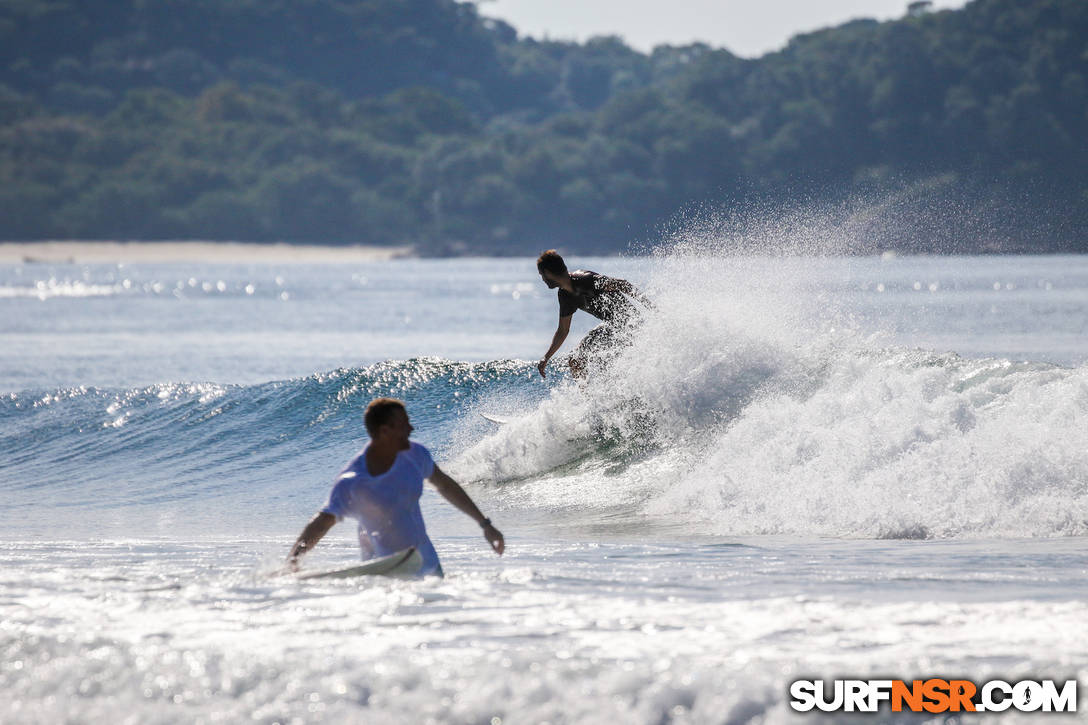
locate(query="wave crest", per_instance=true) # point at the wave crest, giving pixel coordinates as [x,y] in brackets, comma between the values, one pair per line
[774,417]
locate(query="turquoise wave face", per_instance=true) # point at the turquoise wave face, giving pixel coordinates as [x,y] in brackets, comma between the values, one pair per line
[99,449]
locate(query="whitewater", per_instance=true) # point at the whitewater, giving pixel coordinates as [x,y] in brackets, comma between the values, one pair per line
[801,467]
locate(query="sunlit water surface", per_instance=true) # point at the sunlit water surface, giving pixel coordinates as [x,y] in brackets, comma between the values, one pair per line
[807,468]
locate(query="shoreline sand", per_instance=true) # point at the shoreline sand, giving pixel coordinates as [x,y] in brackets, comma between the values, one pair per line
[73,252]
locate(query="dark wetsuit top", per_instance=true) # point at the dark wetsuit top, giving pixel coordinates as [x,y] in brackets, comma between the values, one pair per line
[610,306]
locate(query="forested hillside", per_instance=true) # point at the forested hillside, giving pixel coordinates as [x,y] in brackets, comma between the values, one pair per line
[419,121]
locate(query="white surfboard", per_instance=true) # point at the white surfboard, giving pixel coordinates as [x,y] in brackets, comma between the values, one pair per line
[499,420]
[405,563]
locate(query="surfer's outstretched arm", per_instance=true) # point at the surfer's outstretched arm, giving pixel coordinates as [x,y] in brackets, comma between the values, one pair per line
[561,333]
[315,530]
[452,492]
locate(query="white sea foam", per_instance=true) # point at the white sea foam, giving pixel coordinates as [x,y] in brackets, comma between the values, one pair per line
[743,408]
[153,632]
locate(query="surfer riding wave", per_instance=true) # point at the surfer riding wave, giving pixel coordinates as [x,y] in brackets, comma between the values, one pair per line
[609,299]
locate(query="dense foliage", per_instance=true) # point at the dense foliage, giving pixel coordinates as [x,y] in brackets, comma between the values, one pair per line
[392,121]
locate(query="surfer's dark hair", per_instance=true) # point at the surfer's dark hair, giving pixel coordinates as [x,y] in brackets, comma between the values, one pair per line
[550,261]
[379,412]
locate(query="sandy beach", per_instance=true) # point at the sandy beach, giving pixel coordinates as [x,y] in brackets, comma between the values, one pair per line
[72,252]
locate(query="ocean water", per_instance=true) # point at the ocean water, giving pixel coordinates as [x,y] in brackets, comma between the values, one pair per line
[800,468]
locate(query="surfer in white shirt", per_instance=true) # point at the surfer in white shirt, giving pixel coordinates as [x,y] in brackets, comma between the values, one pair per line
[380,488]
